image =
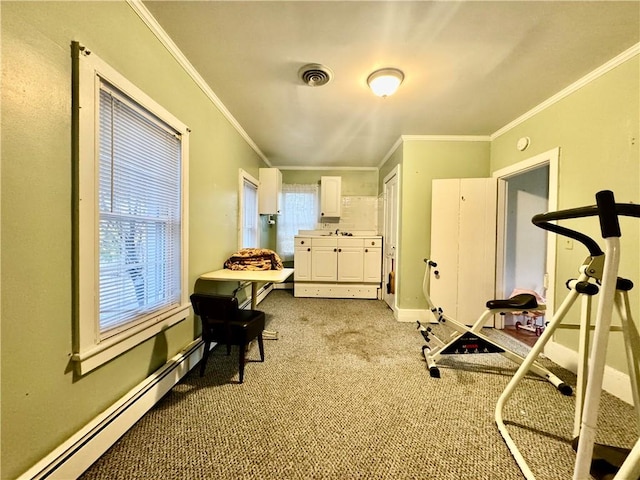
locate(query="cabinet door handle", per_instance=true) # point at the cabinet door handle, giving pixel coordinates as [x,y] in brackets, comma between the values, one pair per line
[322,214]
[309,249]
[366,250]
[339,249]
[302,242]
[335,249]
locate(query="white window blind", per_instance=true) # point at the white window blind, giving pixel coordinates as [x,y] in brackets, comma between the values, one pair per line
[139,202]
[250,237]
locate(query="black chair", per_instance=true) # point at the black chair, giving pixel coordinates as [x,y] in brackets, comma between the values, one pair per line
[224,323]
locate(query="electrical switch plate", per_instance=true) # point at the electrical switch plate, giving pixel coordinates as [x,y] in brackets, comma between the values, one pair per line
[568,244]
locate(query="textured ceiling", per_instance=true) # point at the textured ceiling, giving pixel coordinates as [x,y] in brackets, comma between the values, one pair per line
[470,67]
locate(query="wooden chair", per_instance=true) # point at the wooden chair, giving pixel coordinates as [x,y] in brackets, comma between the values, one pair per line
[223,322]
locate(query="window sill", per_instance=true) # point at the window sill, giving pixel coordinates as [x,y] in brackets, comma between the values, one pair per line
[101,353]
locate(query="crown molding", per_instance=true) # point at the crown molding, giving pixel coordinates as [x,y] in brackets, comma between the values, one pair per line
[300,167]
[391,151]
[447,138]
[588,78]
[173,49]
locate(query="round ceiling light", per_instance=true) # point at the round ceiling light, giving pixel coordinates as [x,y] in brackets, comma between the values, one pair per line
[385,82]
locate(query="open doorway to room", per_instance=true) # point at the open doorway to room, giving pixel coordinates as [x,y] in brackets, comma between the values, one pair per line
[526,257]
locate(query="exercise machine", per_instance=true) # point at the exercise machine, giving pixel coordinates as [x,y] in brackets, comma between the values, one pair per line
[597,275]
[469,339]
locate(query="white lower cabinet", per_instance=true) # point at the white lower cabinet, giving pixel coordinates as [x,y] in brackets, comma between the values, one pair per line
[350,263]
[337,267]
[372,261]
[302,257]
[324,263]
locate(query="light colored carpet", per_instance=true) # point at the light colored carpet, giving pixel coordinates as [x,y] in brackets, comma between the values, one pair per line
[344,393]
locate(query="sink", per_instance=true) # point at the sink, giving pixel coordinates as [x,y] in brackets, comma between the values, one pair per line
[325,233]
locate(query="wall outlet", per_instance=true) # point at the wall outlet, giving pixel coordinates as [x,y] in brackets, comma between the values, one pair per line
[568,244]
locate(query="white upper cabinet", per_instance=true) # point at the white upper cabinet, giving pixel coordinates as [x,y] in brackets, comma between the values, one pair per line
[270,191]
[330,196]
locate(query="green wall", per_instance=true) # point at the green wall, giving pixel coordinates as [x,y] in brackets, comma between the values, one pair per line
[43,401]
[422,162]
[598,131]
[356,182]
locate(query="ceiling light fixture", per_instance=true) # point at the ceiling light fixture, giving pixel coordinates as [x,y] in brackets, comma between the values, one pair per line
[385,82]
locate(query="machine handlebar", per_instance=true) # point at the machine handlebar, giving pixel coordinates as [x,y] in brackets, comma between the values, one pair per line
[606,209]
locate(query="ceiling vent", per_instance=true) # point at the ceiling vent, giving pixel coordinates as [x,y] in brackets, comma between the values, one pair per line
[315,75]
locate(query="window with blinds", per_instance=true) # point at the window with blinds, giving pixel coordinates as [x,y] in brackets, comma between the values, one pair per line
[139,212]
[130,220]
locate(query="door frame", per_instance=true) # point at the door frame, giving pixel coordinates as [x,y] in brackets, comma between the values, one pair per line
[551,159]
[396,171]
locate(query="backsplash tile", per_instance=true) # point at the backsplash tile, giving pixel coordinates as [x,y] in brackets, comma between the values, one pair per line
[358,213]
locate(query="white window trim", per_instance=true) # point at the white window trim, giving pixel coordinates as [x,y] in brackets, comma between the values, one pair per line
[89,351]
[242,176]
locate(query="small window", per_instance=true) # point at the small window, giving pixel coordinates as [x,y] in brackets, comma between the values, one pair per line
[132,157]
[299,212]
[249,234]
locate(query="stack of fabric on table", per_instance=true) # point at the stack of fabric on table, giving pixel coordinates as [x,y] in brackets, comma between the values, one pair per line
[254,259]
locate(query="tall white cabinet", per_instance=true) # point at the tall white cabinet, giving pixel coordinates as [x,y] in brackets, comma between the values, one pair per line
[463,244]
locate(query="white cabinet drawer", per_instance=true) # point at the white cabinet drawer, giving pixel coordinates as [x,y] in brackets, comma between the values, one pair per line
[324,242]
[373,242]
[350,242]
[302,241]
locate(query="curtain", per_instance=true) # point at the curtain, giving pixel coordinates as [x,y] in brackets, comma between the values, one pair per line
[299,212]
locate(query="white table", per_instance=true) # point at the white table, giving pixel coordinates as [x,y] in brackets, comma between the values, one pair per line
[253,276]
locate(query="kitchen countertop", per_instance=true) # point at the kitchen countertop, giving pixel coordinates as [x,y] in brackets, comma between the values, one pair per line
[329,233]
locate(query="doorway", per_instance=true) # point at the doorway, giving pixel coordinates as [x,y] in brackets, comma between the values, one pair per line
[390,241]
[526,254]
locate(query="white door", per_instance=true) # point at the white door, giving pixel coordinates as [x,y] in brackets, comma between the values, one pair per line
[390,232]
[463,240]
[445,230]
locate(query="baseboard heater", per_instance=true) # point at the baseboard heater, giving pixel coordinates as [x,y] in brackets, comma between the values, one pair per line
[262,293]
[78,453]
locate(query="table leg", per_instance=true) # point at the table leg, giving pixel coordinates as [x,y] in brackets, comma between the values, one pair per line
[267,334]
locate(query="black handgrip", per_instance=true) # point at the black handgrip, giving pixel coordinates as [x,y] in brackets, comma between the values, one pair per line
[609,224]
[542,220]
[430,262]
[607,211]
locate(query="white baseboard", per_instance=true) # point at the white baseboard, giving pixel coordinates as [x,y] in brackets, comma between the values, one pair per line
[413,315]
[262,293]
[80,451]
[615,382]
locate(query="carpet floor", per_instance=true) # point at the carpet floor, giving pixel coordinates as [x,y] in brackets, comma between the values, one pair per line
[344,393]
